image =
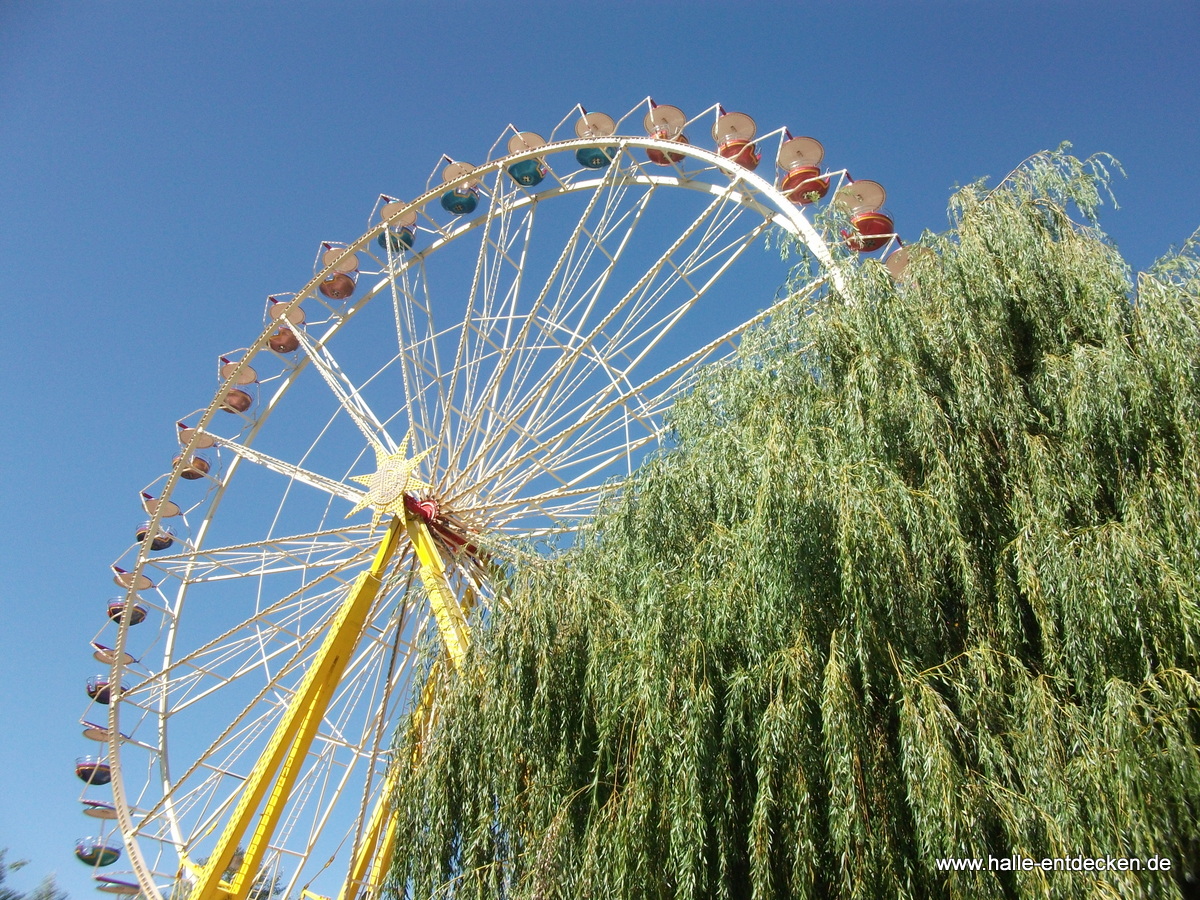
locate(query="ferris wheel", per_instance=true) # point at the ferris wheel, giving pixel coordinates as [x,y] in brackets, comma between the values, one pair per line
[450,396]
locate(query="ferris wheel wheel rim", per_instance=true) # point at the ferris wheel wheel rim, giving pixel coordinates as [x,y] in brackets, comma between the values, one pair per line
[785,213]
[799,223]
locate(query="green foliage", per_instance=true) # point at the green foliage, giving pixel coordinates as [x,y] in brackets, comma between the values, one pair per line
[47,890]
[920,580]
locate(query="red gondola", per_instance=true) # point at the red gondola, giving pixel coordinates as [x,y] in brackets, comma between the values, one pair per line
[196,467]
[340,283]
[283,341]
[338,286]
[734,134]
[237,401]
[665,123]
[800,158]
[870,227]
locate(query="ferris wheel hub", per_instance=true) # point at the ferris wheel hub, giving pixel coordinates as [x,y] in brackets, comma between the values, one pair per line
[426,510]
[393,479]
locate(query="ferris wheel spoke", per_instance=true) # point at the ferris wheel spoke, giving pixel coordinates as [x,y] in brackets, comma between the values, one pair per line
[269,635]
[706,353]
[634,402]
[426,396]
[196,681]
[509,343]
[492,305]
[214,787]
[414,344]
[615,225]
[532,404]
[627,304]
[204,793]
[568,307]
[608,459]
[578,419]
[561,447]
[314,552]
[462,374]
[566,503]
[346,392]
[222,756]
[706,252]
[338,745]
[623,346]
[577,254]
[290,470]
[508,507]
[549,383]
[581,381]
[517,359]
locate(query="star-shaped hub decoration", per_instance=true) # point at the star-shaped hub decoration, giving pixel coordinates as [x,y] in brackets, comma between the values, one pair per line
[393,479]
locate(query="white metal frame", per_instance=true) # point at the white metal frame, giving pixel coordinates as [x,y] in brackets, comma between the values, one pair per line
[497,444]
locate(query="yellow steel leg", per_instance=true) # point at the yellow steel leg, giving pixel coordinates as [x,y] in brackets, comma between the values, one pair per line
[374,855]
[367,850]
[286,751]
[383,859]
[451,621]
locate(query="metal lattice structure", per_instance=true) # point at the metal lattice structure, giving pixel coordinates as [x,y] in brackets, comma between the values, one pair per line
[449,395]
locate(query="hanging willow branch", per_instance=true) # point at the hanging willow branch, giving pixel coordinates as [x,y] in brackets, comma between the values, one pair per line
[927,588]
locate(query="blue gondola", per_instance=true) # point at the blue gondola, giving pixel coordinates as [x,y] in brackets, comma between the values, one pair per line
[594,126]
[94,852]
[595,157]
[399,239]
[528,172]
[461,201]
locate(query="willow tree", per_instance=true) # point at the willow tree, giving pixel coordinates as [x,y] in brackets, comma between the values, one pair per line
[919,580]
[47,890]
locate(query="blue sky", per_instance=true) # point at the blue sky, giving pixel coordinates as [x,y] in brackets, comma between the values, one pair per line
[163,167]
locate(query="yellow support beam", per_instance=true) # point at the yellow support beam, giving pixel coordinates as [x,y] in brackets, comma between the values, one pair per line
[451,621]
[277,769]
[383,859]
[368,849]
[373,856]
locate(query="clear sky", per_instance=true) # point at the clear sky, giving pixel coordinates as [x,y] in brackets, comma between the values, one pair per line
[164,167]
